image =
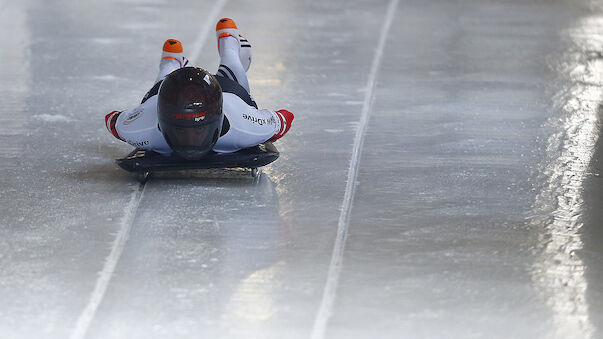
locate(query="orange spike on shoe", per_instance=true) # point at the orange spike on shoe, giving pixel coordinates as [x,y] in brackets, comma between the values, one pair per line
[172,49]
[226,27]
[172,46]
[225,23]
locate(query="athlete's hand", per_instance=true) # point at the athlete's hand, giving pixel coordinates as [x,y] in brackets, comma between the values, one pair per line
[110,121]
[286,119]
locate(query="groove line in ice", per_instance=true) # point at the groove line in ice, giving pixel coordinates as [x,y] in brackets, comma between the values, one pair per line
[85,318]
[207,27]
[329,293]
[87,315]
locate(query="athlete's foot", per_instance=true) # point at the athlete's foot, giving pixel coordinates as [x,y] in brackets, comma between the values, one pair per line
[172,50]
[286,118]
[226,27]
[172,59]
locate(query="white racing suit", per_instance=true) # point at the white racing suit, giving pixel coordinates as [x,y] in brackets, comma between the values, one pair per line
[244,125]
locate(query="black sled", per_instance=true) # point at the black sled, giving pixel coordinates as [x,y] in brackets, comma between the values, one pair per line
[144,163]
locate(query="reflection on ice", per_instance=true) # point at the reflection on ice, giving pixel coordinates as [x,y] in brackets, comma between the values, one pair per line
[253,300]
[560,273]
[14,87]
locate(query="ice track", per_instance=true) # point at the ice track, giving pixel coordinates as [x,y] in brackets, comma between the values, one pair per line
[442,178]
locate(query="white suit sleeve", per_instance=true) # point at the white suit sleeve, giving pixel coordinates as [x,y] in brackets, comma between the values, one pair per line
[139,127]
[248,125]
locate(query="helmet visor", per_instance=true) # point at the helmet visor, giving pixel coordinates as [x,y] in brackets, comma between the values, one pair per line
[192,143]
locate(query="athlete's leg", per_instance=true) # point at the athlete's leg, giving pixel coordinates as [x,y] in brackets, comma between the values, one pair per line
[228,26]
[172,58]
[245,52]
[166,67]
[235,52]
[230,62]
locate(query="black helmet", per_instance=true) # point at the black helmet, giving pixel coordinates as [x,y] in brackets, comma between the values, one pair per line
[189,108]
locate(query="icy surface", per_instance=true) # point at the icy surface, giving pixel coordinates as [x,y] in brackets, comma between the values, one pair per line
[478,206]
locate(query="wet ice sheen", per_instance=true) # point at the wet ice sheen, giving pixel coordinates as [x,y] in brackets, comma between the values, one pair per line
[475,215]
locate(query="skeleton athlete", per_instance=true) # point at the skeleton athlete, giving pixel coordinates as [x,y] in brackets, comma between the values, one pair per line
[191,112]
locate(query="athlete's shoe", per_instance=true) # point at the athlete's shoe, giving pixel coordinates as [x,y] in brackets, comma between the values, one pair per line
[286,118]
[227,27]
[172,49]
[110,121]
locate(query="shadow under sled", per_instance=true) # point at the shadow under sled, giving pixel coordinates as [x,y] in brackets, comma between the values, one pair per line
[145,162]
